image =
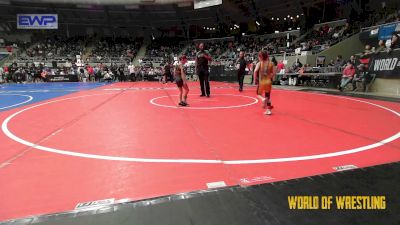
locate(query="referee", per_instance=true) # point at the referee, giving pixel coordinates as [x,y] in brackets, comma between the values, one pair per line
[202,58]
[241,69]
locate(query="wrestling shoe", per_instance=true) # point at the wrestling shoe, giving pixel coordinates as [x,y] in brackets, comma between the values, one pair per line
[268,112]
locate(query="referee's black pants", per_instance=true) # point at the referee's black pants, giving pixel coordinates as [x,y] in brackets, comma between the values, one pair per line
[204,78]
[240,79]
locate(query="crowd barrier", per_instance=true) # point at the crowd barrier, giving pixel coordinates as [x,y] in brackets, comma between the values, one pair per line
[62,78]
[321,77]
[385,64]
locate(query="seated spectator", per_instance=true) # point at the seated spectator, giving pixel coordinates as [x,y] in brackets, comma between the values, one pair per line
[394,41]
[280,68]
[367,52]
[381,46]
[348,75]
[366,55]
[361,76]
[304,78]
[347,29]
[296,65]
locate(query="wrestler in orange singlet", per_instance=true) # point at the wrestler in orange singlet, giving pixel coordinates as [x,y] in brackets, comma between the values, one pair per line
[265,70]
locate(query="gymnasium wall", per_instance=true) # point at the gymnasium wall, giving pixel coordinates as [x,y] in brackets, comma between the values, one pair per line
[386,86]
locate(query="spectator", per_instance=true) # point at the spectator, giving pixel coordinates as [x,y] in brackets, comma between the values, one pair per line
[347,29]
[381,46]
[296,65]
[339,63]
[167,73]
[280,68]
[366,55]
[304,78]
[90,71]
[131,69]
[352,60]
[44,74]
[348,75]
[1,75]
[121,74]
[362,76]
[367,52]
[394,41]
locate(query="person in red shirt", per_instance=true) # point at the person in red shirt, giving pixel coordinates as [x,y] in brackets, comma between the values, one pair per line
[91,72]
[9,48]
[280,66]
[43,74]
[348,75]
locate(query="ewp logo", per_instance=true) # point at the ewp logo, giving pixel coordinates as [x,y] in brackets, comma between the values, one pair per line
[37,21]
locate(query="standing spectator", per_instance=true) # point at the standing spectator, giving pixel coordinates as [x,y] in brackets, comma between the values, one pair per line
[1,75]
[348,75]
[167,73]
[43,74]
[5,74]
[36,73]
[9,48]
[202,58]
[11,70]
[121,75]
[131,69]
[273,60]
[352,60]
[91,73]
[339,62]
[251,67]
[18,76]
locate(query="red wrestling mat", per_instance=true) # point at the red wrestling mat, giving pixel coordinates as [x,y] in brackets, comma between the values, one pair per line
[129,140]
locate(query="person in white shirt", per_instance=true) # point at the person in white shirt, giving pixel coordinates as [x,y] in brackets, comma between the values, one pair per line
[131,69]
